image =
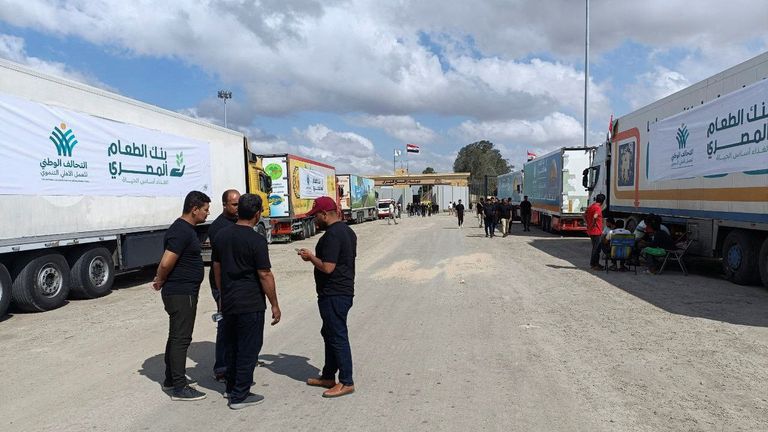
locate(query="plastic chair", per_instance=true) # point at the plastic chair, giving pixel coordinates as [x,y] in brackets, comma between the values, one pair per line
[621,250]
[677,254]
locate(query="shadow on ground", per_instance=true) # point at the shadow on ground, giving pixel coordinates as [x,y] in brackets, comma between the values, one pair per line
[292,366]
[702,294]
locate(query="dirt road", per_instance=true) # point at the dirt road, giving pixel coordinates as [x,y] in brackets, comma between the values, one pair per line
[450,331]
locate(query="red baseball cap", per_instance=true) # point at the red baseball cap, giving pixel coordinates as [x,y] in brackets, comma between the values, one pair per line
[323,204]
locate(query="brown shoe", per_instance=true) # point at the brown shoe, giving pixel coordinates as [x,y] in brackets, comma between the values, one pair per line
[339,390]
[320,382]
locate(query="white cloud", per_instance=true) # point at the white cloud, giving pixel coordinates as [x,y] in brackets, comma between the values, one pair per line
[652,86]
[403,128]
[14,49]
[348,152]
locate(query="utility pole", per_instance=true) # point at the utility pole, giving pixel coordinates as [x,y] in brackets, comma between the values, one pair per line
[586,76]
[225,94]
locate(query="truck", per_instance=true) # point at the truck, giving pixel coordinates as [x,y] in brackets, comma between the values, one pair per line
[553,184]
[296,182]
[357,197]
[92,180]
[698,159]
[511,186]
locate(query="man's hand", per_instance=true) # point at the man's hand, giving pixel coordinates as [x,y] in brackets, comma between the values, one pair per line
[305,254]
[157,283]
[276,314]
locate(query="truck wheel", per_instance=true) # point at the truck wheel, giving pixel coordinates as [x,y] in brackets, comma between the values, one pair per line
[41,284]
[5,291]
[740,257]
[312,228]
[93,273]
[763,263]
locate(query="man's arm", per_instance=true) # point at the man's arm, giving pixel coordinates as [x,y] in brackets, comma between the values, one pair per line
[167,263]
[325,267]
[216,268]
[267,280]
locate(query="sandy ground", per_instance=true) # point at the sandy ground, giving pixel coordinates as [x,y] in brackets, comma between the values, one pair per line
[450,331]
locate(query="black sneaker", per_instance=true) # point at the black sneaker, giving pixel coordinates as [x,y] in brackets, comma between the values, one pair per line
[187,394]
[251,400]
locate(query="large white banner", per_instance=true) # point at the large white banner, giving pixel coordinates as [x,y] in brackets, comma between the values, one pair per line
[312,184]
[729,134]
[55,151]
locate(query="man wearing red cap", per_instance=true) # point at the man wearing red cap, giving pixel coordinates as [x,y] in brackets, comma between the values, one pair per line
[334,261]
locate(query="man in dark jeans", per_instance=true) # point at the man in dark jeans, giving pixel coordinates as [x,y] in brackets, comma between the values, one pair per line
[242,270]
[525,213]
[593,218]
[228,217]
[491,211]
[459,208]
[334,262]
[179,275]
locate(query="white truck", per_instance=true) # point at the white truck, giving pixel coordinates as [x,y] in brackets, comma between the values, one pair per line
[91,181]
[698,159]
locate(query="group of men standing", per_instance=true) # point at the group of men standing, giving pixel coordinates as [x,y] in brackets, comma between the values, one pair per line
[496,213]
[241,282]
[421,209]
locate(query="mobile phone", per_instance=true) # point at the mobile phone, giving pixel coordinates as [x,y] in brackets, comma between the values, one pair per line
[297,250]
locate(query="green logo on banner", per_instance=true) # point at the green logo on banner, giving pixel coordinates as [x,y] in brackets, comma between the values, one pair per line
[64,140]
[682,136]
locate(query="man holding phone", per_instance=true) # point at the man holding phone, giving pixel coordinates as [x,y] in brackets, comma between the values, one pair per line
[242,271]
[334,262]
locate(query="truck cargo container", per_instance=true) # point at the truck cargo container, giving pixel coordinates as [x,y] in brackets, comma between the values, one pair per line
[296,182]
[554,187]
[511,186]
[698,159]
[92,180]
[357,197]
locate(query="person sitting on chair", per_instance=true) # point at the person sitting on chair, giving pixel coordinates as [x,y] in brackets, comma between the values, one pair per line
[660,242]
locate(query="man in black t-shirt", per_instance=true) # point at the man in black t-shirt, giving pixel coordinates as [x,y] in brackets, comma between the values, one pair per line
[525,213]
[505,214]
[459,208]
[490,210]
[228,217]
[243,272]
[179,275]
[334,261]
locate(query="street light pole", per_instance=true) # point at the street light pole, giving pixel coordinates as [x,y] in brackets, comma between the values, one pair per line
[586,76]
[225,94]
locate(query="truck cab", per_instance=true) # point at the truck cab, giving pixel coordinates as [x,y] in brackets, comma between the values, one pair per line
[259,183]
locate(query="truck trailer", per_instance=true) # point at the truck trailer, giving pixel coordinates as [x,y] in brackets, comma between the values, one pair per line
[296,182]
[553,185]
[511,186]
[357,197]
[698,159]
[91,182]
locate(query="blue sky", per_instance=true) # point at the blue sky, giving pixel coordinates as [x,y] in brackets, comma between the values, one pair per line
[348,81]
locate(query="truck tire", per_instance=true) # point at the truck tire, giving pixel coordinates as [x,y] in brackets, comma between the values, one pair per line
[41,284]
[5,291]
[763,263]
[740,257]
[93,273]
[312,228]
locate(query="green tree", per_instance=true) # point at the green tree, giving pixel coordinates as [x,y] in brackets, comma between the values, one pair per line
[428,170]
[481,159]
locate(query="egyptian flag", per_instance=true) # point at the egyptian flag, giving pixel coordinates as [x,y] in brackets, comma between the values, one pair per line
[531,156]
[412,148]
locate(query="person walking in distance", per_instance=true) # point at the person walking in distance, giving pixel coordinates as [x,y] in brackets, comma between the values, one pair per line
[505,214]
[459,208]
[179,275]
[243,272]
[392,213]
[490,210]
[525,213]
[334,262]
[228,217]
[480,213]
[593,218]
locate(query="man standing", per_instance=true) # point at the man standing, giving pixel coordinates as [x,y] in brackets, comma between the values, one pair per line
[525,213]
[392,213]
[243,272]
[593,217]
[228,217]
[505,213]
[460,213]
[334,262]
[179,275]
[490,209]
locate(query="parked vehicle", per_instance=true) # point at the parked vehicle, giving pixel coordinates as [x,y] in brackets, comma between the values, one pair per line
[383,207]
[553,185]
[698,159]
[357,197]
[296,182]
[511,186]
[99,179]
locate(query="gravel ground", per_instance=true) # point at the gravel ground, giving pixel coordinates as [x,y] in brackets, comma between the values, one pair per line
[450,331]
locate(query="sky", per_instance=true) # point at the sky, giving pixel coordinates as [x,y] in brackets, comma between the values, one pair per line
[348,82]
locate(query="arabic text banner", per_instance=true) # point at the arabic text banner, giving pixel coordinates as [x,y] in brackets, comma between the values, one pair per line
[55,151]
[727,135]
